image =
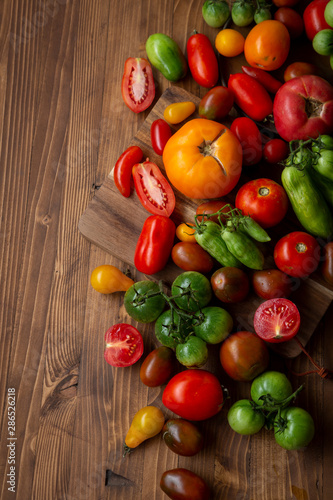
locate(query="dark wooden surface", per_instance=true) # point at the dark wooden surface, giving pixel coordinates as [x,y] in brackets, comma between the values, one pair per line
[63,125]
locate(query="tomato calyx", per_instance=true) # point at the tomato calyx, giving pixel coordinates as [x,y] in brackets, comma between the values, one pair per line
[208,148]
[264,191]
[313,107]
[301,247]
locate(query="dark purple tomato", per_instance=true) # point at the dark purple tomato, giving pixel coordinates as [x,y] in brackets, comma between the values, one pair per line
[183,484]
[216,104]
[191,257]
[230,284]
[182,437]
[271,284]
[327,267]
[158,367]
[160,133]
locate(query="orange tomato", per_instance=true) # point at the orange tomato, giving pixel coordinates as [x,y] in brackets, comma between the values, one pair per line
[185,232]
[229,42]
[203,159]
[267,45]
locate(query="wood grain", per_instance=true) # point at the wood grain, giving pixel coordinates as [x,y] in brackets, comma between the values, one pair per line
[63,125]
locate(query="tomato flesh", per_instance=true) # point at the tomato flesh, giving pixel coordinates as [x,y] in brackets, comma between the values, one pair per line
[137,87]
[123,345]
[277,320]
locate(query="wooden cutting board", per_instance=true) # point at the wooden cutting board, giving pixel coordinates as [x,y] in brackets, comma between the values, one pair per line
[114,223]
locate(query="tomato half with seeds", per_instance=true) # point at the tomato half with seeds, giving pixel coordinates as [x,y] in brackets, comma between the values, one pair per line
[277,320]
[297,254]
[137,86]
[153,189]
[123,345]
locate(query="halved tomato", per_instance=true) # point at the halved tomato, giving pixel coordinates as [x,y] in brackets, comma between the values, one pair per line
[123,345]
[153,189]
[137,86]
[277,320]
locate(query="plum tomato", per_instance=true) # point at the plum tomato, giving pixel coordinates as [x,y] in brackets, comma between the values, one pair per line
[314,18]
[216,104]
[277,320]
[142,307]
[109,279]
[272,382]
[243,356]
[327,267]
[182,437]
[212,324]
[123,345]
[183,484]
[249,136]
[250,95]
[299,68]
[158,367]
[230,284]
[194,395]
[297,254]
[275,151]
[122,172]
[178,111]
[244,419]
[191,257]
[202,60]
[192,353]
[160,133]
[137,86]
[192,290]
[211,207]
[264,200]
[271,284]
[292,20]
[294,428]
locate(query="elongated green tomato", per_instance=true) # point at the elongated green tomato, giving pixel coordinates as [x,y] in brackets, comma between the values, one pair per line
[212,324]
[178,111]
[323,42]
[324,164]
[323,142]
[143,302]
[215,12]
[147,423]
[193,353]
[165,54]
[109,279]
[272,382]
[250,227]
[191,291]
[294,429]
[244,419]
[244,249]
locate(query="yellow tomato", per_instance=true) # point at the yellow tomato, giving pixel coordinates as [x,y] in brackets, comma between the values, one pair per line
[185,233]
[229,42]
[147,423]
[178,111]
[108,279]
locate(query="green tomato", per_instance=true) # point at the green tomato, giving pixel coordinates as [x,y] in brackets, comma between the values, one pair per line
[273,383]
[140,306]
[192,291]
[324,164]
[171,329]
[215,12]
[193,353]
[164,53]
[214,324]
[294,429]
[328,13]
[262,14]
[323,42]
[242,13]
[323,142]
[244,419]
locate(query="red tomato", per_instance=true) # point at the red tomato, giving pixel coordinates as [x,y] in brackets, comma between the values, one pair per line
[193,394]
[251,96]
[183,484]
[303,108]
[137,86]
[213,206]
[153,189]
[244,356]
[122,173]
[299,68]
[270,83]
[202,60]
[297,254]
[154,244]
[313,17]
[216,104]
[158,366]
[249,136]
[292,20]
[264,200]
[275,151]
[123,345]
[277,320]
[191,257]
[160,133]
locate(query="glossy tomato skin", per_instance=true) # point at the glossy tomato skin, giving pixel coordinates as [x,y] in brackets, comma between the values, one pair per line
[185,232]
[109,279]
[182,484]
[299,68]
[194,395]
[275,151]
[137,86]
[202,60]
[146,423]
[230,284]
[212,324]
[327,267]
[191,257]
[271,284]
[272,382]
[182,437]
[147,310]
[292,20]
[277,320]
[251,96]
[297,254]
[211,207]
[122,172]
[192,353]
[193,157]
[160,133]
[123,345]
[198,284]
[243,356]
[264,200]
[158,367]
[153,189]
[177,112]
[243,419]
[270,83]
[249,136]
[298,429]
[216,104]
[313,17]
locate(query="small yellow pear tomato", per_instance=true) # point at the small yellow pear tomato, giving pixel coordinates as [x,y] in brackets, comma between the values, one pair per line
[109,279]
[147,423]
[178,111]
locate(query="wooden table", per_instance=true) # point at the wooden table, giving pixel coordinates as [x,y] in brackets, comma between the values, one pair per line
[63,125]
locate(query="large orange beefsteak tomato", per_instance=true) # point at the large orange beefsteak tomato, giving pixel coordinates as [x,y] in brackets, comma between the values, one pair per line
[203,159]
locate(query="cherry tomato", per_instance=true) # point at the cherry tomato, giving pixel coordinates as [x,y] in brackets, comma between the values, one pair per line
[249,136]
[178,111]
[153,189]
[229,42]
[147,423]
[314,19]
[191,257]
[137,86]
[264,200]
[185,232]
[194,395]
[299,68]
[123,345]
[192,353]
[272,383]
[143,302]
[109,279]
[244,419]
[160,133]
[122,172]
[216,104]
[277,320]
[242,13]
[275,151]
[213,206]
[250,95]
[267,45]
[292,20]
[271,284]
[199,286]
[230,284]
[182,484]
[182,437]
[158,367]
[270,83]
[243,356]
[154,245]
[297,254]
[294,428]
[327,267]
[202,60]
